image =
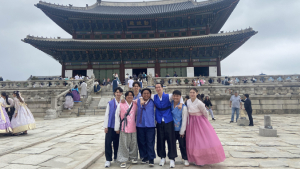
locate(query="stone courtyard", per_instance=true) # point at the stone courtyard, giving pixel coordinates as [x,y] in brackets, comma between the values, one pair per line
[79,143]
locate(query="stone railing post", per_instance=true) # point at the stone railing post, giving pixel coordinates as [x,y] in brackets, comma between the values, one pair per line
[166,81]
[182,81]
[174,81]
[215,82]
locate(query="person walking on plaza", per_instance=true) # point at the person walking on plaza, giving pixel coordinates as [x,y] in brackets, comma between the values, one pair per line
[97,87]
[109,127]
[23,119]
[114,85]
[125,125]
[235,105]
[202,143]
[9,105]
[145,125]
[248,108]
[130,83]
[5,125]
[83,91]
[75,93]
[180,120]
[69,103]
[208,106]
[103,82]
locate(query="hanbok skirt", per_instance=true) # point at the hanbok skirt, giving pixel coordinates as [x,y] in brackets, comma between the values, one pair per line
[69,103]
[5,126]
[24,120]
[202,143]
[76,96]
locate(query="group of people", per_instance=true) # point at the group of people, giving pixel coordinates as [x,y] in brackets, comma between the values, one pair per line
[236,104]
[74,96]
[15,116]
[130,125]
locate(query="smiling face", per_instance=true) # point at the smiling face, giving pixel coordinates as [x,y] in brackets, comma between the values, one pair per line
[129,97]
[136,88]
[158,88]
[193,94]
[118,94]
[176,98]
[146,95]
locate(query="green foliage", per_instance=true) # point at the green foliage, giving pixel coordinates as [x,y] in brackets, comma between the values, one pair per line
[34,78]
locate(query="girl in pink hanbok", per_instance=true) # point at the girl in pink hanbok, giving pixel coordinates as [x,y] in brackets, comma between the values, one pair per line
[202,143]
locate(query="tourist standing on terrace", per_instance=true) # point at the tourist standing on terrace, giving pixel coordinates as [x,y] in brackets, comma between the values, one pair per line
[202,143]
[235,104]
[114,85]
[5,126]
[130,83]
[83,91]
[23,119]
[136,90]
[9,105]
[109,124]
[125,125]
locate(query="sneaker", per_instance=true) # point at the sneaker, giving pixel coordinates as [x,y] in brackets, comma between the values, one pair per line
[213,119]
[123,165]
[231,122]
[107,164]
[151,163]
[134,161]
[162,162]
[172,164]
[69,108]
[186,163]
[144,161]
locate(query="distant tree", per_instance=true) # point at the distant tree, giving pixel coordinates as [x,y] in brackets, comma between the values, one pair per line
[34,78]
[7,80]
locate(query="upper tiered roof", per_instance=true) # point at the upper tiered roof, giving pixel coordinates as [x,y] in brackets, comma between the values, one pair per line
[139,8]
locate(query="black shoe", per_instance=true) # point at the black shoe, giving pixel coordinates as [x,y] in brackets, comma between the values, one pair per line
[151,163]
[251,125]
[231,122]
[213,119]
[144,161]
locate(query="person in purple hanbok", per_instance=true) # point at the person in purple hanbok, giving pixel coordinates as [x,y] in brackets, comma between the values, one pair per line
[76,95]
[5,126]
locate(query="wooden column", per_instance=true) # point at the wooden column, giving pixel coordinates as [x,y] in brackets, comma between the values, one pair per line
[157,65]
[156,31]
[63,69]
[122,69]
[207,29]
[218,67]
[190,63]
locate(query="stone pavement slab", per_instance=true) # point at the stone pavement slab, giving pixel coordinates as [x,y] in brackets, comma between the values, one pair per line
[33,159]
[19,166]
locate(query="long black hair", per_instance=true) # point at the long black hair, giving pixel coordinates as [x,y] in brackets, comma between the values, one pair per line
[17,93]
[6,97]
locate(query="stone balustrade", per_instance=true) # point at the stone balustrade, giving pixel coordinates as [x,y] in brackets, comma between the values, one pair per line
[234,80]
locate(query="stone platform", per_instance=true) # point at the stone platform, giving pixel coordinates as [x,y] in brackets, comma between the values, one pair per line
[79,142]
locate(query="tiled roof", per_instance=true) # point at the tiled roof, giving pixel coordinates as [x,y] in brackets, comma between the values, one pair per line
[139,8]
[211,39]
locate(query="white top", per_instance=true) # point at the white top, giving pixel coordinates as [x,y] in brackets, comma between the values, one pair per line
[10,100]
[96,83]
[126,77]
[198,83]
[184,120]
[80,77]
[105,124]
[197,107]
[2,101]
[130,82]
[76,77]
[117,116]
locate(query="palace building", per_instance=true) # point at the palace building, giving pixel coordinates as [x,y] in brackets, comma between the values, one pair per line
[157,37]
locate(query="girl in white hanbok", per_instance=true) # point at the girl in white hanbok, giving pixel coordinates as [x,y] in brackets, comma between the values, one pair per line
[22,119]
[69,103]
[5,126]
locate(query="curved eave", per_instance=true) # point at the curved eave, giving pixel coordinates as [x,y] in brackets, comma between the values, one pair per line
[50,46]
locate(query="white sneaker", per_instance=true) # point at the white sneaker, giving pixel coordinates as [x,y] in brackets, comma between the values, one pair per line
[162,162]
[172,164]
[186,163]
[133,161]
[123,165]
[69,108]
[107,164]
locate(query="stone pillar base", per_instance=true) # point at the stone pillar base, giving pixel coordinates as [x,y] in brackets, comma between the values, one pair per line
[267,132]
[243,122]
[50,114]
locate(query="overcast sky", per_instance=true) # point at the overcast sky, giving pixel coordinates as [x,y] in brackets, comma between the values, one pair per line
[274,50]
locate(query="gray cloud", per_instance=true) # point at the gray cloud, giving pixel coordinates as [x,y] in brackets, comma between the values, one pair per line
[274,50]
